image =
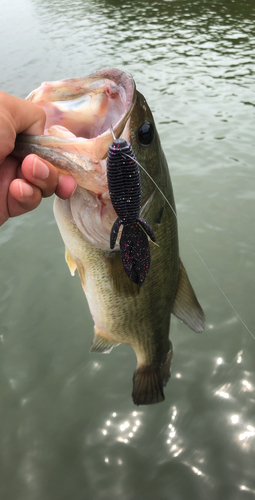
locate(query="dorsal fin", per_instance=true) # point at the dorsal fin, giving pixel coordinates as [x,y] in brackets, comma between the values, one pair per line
[186,306]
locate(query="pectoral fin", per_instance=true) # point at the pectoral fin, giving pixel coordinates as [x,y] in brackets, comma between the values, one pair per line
[114,232]
[121,284]
[186,306]
[70,262]
[153,208]
[101,343]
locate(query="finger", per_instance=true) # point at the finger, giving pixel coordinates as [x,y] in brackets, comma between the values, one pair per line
[22,197]
[41,174]
[66,186]
[7,137]
[25,116]
[7,174]
[45,176]
[17,115]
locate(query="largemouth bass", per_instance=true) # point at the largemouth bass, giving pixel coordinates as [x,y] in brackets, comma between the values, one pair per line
[80,113]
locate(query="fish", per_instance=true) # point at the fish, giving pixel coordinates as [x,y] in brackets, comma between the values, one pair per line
[81,114]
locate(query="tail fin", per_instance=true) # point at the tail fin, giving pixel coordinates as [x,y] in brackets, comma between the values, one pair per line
[135,252]
[148,382]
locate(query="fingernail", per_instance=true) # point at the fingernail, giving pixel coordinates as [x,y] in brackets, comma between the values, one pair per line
[25,190]
[40,169]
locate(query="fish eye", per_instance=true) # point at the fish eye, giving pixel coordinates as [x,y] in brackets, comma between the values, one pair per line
[146,133]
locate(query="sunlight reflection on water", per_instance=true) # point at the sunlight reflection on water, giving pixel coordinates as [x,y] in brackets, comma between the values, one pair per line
[123,432]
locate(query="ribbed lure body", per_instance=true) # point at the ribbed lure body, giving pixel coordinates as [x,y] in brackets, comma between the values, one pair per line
[126,196]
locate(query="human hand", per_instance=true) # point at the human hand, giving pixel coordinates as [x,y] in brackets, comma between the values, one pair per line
[24,184]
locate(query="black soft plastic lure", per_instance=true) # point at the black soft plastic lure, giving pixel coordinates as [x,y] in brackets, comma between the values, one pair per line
[126,196]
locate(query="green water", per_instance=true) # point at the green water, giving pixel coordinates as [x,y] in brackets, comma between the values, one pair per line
[68,428]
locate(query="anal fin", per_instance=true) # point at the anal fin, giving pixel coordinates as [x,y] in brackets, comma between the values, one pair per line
[186,306]
[101,343]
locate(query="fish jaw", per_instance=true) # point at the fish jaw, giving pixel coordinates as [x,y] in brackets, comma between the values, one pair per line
[87,107]
[79,114]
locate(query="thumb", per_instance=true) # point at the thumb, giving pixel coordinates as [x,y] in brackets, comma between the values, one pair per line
[18,115]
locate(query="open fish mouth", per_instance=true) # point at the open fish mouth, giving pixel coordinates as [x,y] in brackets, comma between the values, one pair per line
[79,114]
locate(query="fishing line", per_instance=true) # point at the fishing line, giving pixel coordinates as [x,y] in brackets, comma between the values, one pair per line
[194,248]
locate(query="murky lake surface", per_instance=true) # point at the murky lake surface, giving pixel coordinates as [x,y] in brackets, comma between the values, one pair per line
[68,427]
